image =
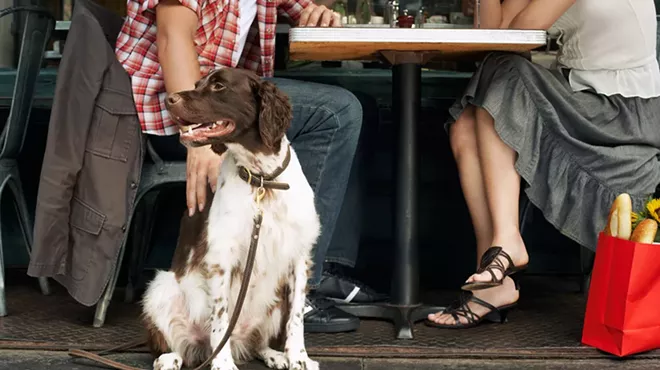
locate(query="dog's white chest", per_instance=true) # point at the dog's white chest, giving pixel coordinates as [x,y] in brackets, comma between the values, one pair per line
[288,231]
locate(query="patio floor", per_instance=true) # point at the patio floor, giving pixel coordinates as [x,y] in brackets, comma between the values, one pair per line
[545,330]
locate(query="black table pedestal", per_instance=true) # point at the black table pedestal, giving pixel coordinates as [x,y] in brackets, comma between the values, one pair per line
[405,308]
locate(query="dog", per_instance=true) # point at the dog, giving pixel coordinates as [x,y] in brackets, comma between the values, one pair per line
[186,310]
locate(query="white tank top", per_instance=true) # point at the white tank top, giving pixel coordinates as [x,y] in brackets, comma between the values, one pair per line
[610,46]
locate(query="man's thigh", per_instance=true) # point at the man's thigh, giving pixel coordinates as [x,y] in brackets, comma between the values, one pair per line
[318,106]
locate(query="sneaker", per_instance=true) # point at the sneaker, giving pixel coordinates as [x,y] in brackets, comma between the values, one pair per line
[345,290]
[321,316]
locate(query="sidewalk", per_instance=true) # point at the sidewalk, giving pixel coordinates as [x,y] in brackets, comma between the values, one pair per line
[37,360]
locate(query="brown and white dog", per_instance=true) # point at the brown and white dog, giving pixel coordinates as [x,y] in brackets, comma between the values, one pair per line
[187,309]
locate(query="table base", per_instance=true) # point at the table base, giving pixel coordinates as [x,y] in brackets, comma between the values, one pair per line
[405,307]
[403,317]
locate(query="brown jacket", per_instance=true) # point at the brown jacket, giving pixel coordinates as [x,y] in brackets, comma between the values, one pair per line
[92,162]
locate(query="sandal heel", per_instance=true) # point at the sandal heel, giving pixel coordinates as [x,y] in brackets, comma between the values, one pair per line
[500,317]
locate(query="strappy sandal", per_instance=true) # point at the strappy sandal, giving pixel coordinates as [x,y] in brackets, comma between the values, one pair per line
[491,262]
[496,314]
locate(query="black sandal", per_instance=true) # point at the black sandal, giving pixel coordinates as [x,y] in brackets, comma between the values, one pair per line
[496,314]
[491,262]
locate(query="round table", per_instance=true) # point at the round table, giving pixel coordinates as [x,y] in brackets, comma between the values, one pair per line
[407,50]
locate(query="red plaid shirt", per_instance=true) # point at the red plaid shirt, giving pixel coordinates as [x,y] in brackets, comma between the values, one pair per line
[215,40]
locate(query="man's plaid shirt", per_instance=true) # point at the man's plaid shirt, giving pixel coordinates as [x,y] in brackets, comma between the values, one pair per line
[215,39]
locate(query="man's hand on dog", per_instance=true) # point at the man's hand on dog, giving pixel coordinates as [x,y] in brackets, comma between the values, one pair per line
[202,168]
[319,16]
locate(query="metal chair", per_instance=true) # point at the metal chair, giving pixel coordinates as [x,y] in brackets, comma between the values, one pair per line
[586,255]
[39,24]
[155,175]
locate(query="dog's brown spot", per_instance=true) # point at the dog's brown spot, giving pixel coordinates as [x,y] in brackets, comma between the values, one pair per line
[221,311]
[192,245]
[282,292]
[215,269]
[235,274]
[155,340]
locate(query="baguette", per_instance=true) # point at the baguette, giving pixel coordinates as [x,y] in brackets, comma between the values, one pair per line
[619,221]
[645,231]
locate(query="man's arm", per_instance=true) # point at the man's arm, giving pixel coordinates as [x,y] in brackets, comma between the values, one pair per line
[305,13]
[176,25]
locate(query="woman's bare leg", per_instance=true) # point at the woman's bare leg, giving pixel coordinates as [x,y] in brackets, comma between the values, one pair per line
[463,142]
[502,190]
[502,184]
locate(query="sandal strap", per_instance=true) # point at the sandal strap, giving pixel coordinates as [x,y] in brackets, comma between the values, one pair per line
[464,310]
[490,262]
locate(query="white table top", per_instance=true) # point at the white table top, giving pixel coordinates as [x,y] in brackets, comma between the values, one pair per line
[356,43]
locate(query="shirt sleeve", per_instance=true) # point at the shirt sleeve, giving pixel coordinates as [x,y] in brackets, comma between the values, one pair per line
[194,5]
[292,9]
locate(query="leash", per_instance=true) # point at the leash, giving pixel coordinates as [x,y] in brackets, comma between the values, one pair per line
[262,182]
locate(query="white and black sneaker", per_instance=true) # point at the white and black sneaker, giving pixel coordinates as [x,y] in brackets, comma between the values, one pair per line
[340,288]
[322,316]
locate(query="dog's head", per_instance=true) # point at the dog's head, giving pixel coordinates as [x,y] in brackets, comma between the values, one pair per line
[231,106]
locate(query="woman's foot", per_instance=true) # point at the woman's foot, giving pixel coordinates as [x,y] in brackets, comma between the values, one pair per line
[500,296]
[493,271]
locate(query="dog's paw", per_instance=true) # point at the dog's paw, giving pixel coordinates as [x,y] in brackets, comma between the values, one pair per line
[276,360]
[223,364]
[301,361]
[168,361]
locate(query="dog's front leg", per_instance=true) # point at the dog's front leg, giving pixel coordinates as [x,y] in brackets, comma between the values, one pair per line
[295,337]
[220,291]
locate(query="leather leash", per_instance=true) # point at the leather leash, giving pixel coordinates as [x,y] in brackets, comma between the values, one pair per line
[261,182]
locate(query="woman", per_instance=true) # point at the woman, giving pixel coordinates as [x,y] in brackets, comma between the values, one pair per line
[574,136]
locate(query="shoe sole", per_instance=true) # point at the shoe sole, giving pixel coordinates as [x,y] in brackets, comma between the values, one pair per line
[340,301]
[332,328]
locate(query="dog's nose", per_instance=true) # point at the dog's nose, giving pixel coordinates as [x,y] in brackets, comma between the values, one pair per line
[172,99]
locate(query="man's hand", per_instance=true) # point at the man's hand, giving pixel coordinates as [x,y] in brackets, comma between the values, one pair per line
[202,168]
[319,16]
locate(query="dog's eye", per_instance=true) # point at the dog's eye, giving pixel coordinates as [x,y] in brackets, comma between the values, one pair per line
[217,86]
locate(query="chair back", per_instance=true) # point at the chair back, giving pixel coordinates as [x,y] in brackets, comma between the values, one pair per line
[39,24]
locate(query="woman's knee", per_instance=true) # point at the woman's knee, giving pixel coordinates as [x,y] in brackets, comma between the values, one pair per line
[462,133]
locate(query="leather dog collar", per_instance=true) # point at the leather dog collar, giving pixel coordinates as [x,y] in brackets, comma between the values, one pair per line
[260,180]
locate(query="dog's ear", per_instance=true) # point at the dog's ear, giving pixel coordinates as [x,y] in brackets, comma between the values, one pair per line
[274,113]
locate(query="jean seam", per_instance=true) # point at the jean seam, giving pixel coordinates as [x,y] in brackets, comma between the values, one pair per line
[340,260]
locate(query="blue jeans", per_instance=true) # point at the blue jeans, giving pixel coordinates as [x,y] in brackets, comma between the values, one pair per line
[325,130]
[324,133]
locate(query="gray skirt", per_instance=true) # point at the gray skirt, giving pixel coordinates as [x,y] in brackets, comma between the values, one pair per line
[576,150]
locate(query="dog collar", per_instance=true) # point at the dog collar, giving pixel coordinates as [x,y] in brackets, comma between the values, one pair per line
[266,181]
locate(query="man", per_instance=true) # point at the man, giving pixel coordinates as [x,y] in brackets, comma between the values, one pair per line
[168,45]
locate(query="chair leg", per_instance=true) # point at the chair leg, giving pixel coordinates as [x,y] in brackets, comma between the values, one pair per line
[104,302]
[3,302]
[525,208]
[26,224]
[587,258]
[141,241]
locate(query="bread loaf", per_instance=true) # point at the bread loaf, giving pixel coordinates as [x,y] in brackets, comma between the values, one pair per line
[645,231]
[619,221]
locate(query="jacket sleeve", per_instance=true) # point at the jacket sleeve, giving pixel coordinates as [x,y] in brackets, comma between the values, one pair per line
[79,80]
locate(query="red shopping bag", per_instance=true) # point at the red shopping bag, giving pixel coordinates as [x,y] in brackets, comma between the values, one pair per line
[622,315]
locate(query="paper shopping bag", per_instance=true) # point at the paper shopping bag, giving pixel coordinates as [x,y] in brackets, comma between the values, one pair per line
[622,315]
